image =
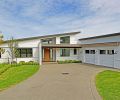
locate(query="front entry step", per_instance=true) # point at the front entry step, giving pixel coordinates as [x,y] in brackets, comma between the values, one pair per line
[49,63]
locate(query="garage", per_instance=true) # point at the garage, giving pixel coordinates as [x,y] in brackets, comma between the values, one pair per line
[90,56]
[98,56]
[106,58]
[102,50]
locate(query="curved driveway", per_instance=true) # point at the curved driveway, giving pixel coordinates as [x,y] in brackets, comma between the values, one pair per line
[57,82]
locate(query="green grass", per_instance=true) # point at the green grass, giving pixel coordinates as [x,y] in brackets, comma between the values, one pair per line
[108,85]
[15,74]
[3,67]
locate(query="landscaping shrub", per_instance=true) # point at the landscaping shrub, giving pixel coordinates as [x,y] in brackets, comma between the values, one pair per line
[22,62]
[69,61]
[32,63]
[14,62]
[28,63]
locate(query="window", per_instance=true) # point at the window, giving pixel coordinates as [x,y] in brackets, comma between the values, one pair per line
[49,41]
[92,51]
[64,52]
[0,54]
[110,52]
[65,39]
[87,51]
[75,51]
[24,52]
[51,54]
[102,51]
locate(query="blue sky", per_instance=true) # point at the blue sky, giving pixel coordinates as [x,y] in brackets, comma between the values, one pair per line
[25,18]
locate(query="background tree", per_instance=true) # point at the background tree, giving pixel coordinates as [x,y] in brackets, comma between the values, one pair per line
[1,38]
[1,42]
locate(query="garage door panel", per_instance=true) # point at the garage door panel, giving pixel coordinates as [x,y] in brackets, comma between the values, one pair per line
[90,58]
[107,60]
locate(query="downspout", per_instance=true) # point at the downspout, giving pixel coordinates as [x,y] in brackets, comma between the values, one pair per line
[40,52]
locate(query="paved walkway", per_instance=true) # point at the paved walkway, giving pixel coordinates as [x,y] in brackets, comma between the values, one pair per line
[57,82]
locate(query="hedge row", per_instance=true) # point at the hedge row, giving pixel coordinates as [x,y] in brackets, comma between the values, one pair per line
[69,61]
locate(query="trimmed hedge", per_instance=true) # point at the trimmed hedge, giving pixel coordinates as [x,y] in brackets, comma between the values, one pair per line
[28,63]
[69,61]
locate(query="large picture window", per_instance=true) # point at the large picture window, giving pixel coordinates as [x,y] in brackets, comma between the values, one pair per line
[24,52]
[64,52]
[65,39]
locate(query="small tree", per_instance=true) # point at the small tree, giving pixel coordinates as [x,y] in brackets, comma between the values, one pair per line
[13,46]
[1,42]
[1,39]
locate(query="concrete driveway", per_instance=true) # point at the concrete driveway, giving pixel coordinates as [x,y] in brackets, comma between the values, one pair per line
[57,82]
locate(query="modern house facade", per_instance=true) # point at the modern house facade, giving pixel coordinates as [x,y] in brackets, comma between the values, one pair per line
[49,48]
[100,50]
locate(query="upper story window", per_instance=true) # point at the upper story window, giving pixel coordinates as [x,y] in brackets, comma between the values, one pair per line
[49,41]
[25,53]
[65,39]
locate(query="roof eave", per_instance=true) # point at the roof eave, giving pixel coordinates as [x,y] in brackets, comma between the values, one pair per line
[101,36]
[54,35]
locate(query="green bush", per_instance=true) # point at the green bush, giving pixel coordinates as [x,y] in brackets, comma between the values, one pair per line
[60,62]
[22,62]
[69,61]
[28,63]
[14,62]
[32,63]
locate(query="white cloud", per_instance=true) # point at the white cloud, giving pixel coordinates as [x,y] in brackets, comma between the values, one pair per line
[27,17]
[105,7]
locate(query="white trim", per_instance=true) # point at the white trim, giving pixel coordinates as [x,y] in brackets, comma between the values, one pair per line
[40,52]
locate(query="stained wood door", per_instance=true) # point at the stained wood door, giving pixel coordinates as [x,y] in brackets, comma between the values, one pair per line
[46,54]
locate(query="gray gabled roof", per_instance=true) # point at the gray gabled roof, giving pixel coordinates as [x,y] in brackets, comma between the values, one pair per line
[45,36]
[101,36]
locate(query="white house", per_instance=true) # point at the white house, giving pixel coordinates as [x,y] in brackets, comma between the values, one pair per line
[99,50]
[45,48]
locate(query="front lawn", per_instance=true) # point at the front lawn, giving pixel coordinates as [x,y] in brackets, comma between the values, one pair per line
[108,85]
[15,74]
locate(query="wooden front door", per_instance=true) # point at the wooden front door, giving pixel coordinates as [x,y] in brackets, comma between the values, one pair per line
[46,54]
